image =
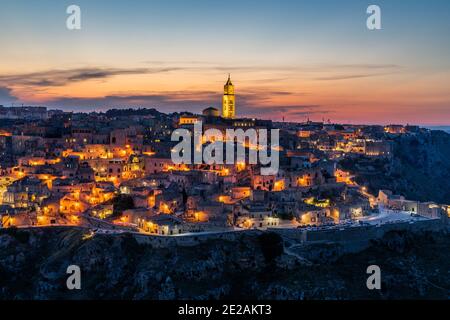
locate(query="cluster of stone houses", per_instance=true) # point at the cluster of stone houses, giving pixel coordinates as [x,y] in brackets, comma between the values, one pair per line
[64,167]
[386,199]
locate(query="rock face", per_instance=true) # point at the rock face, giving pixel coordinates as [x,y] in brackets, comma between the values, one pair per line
[419,170]
[33,265]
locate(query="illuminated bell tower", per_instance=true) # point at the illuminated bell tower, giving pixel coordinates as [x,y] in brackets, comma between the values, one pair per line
[229,101]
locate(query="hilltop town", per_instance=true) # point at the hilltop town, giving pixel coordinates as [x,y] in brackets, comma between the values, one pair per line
[112,172]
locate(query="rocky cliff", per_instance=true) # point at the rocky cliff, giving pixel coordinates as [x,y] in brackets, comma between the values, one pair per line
[33,265]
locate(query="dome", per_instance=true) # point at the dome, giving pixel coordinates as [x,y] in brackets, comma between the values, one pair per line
[211,112]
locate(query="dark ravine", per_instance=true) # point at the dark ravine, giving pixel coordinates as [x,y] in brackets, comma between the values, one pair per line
[33,266]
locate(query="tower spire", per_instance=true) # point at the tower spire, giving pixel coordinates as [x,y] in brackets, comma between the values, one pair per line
[229,80]
[228,106]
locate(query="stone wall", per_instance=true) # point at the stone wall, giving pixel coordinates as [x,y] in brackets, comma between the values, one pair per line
[353,239]
[191,239]
[358,238]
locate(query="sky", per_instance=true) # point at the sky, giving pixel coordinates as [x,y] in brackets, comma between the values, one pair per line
[288,59]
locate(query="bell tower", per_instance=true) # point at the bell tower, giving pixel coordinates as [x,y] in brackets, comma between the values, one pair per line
[229,100]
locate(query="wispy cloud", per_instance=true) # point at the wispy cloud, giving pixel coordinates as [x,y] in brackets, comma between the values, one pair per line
[352,76]
[63,77]
[251,67]
[362,66]
[56,78]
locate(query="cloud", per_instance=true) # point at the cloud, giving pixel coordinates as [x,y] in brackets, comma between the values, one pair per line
[56,78]
[200,98]
[6,95]
[259,100]
[252,103]
[352,76]
[163,101]
[62,77]
[362,66]
[288,111]
[250,67]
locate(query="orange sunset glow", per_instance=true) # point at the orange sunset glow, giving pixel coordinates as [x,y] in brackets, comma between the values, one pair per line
[293,67]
